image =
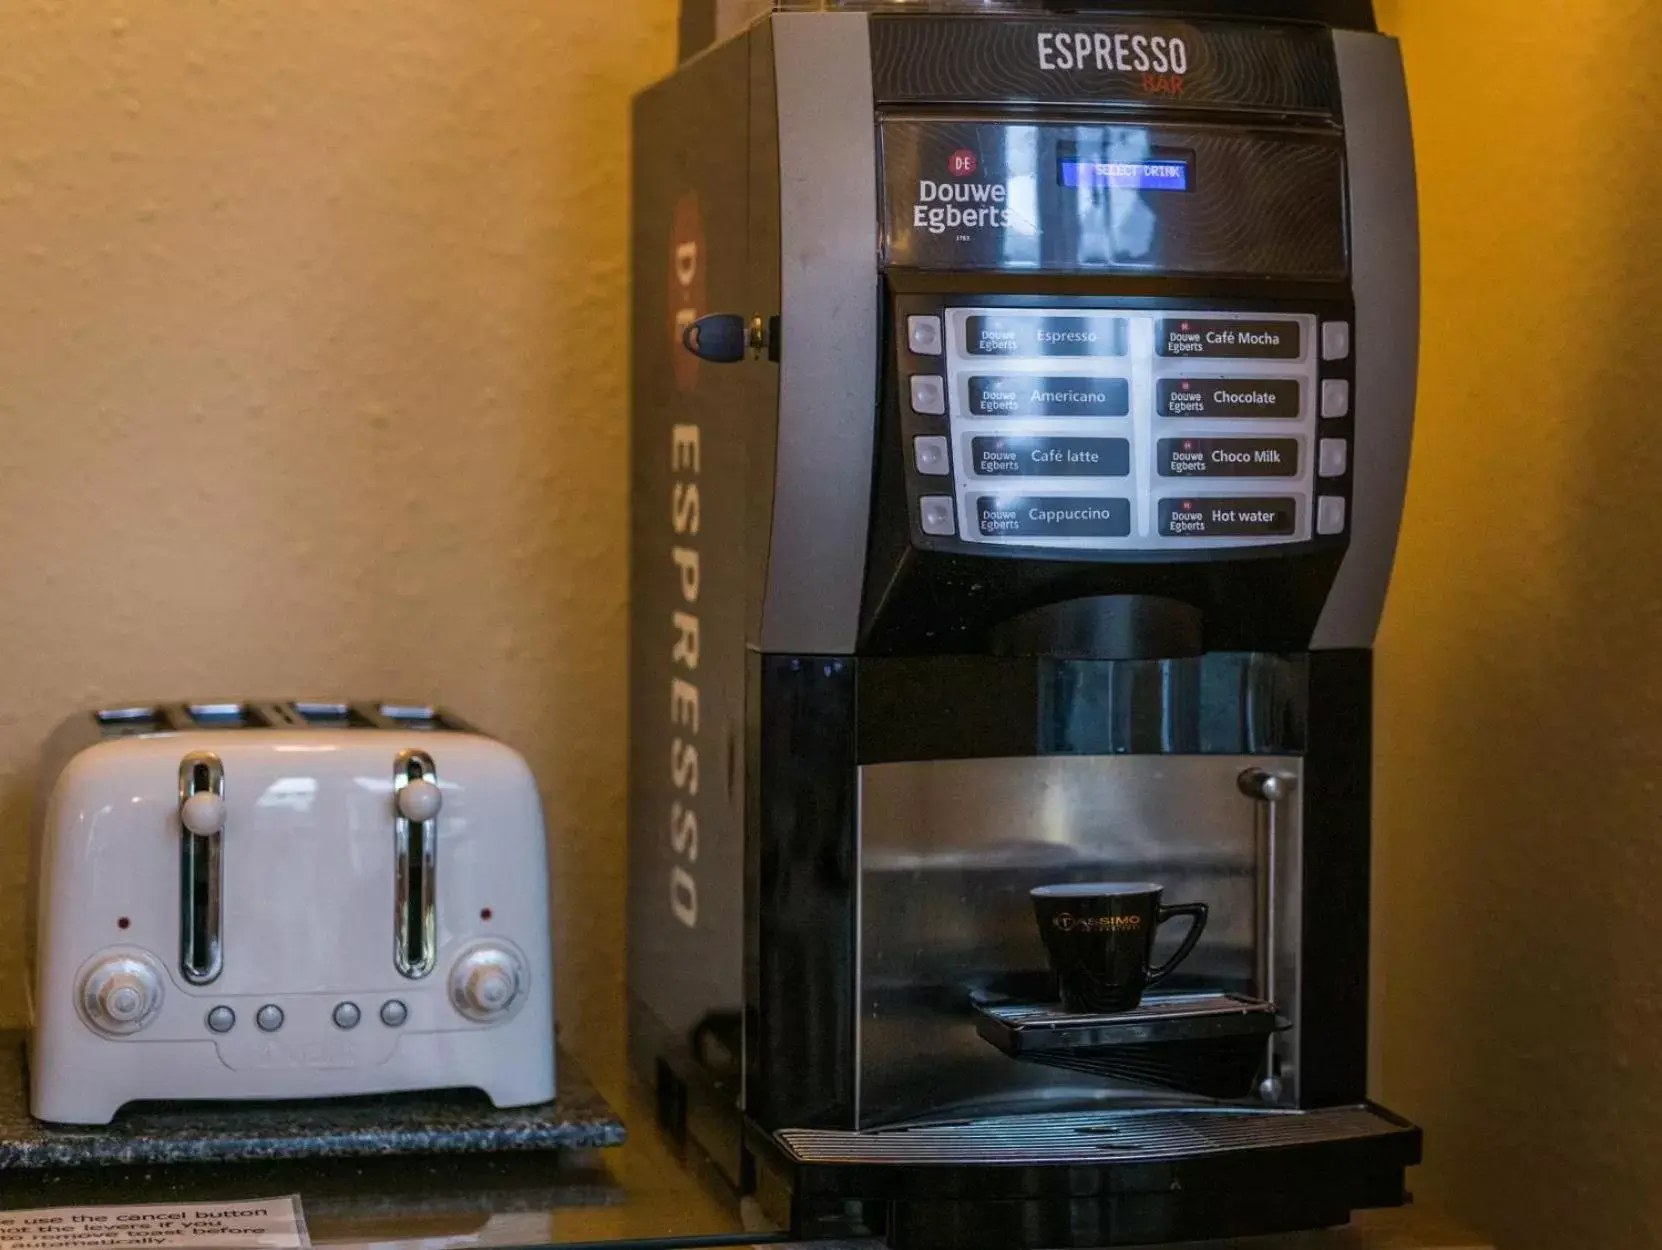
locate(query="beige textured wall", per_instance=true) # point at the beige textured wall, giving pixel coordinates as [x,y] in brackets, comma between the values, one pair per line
[313,378]
[1519,964]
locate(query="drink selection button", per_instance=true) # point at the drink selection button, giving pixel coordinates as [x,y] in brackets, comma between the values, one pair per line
[928,395]
[1335,340]
[1217,516]
[923,335]
[1330,515]
[1227,397]
[998,456]
[1233,339]
[1335,398]
[936,516]
[1333,458]
[931,455]
[1038,395]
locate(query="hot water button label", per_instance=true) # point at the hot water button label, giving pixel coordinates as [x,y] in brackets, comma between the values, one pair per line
[1045,336]
[1229,340]
[1218,517]
[1227,457]
[994,456]
[1227,397]
[1067,516]
[1035,395]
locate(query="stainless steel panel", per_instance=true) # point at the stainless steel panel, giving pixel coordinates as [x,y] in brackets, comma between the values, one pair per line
[948,853]
[1385,266]
[830,324]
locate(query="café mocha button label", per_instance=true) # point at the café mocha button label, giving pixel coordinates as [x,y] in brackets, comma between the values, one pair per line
[1227,518]
[1229,340]
[1052,517]
[1031,395]
[992,456]
[1045,336]
[1227,397]
[1227,457]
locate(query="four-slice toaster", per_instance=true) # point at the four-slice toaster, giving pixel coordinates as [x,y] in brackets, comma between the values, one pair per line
[264,900]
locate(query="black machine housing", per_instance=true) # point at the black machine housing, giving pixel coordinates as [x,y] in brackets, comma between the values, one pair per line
[831,680]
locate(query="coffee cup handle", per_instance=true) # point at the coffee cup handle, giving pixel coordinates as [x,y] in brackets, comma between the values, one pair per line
[1197,915]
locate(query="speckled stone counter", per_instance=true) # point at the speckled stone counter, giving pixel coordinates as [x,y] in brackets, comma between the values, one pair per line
[404,1124]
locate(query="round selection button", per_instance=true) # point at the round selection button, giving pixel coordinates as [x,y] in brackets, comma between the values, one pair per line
[347,1015]
[222,1019]
[269,1017]
[394,1013]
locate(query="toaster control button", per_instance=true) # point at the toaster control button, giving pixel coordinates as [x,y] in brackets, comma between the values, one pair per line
[394,1013]
[121,995]
[269,1017]
[203,813]
[486,982]
[419,801]
[222,1019]
[347,1015]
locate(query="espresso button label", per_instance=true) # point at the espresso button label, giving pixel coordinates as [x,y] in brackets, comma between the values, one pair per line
[1229,340]
[1227,457]
[992,456]
[1052,517]
[1029,395]
[1227,518]
[1227,397]
[1045,336]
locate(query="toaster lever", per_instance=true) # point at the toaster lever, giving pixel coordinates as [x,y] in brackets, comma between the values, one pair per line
[201,826]
[416,803]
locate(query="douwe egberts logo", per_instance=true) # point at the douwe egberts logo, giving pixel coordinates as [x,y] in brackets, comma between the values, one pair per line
[961,202]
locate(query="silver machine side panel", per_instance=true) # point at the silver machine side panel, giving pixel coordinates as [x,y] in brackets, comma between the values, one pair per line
[1385,264]
[830,324]
[948,853]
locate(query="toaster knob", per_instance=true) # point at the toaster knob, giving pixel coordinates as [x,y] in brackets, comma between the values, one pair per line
[487,981]
[203,813]
[419,801]
[121,994]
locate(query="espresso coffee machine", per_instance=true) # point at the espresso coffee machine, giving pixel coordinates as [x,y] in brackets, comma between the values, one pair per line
[1022,408]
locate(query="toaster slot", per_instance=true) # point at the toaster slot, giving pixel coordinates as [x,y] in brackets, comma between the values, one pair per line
[227,716]
[416,829]
[330,715]
[201,838]
[129,722]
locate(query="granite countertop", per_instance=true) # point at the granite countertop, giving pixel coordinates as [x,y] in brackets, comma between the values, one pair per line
[403,1124]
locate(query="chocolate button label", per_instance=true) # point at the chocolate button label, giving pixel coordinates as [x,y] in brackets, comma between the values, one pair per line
[1227,397]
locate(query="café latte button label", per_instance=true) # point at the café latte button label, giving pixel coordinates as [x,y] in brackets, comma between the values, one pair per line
[1066,516]
[1199,339]
[1227,397]
[1220,517]
[1227,457]
[1035,395]
[996,456]
[1045,336]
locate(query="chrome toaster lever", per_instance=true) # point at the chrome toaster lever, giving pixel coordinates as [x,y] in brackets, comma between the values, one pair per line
[201,830]
[416,803]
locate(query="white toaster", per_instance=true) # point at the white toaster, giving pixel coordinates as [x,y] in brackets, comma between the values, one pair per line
[286,900]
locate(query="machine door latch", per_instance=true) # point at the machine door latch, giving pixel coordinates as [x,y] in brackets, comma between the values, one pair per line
[726,338]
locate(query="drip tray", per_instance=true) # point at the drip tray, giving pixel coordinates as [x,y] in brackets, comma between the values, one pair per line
[1210,1044]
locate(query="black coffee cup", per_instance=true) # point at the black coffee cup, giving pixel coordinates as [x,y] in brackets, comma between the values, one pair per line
[1100,936]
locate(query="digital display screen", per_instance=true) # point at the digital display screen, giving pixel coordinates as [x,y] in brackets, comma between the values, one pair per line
[1153,173]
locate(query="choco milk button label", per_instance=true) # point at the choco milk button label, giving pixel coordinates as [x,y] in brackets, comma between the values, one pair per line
[1227,397]
[1052,517]
[1227,457]
[1220,517]
[996,456]
[1202,339]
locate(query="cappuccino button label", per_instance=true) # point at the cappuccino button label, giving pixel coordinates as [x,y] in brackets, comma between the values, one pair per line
[1227,457]
[1228,340]
[1228,397]
[1052,517]
[1045,336]
[1220,517]
[993,456]
[1034,395]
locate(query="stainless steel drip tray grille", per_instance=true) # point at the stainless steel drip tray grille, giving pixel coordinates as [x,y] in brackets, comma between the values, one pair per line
[1093,1137]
